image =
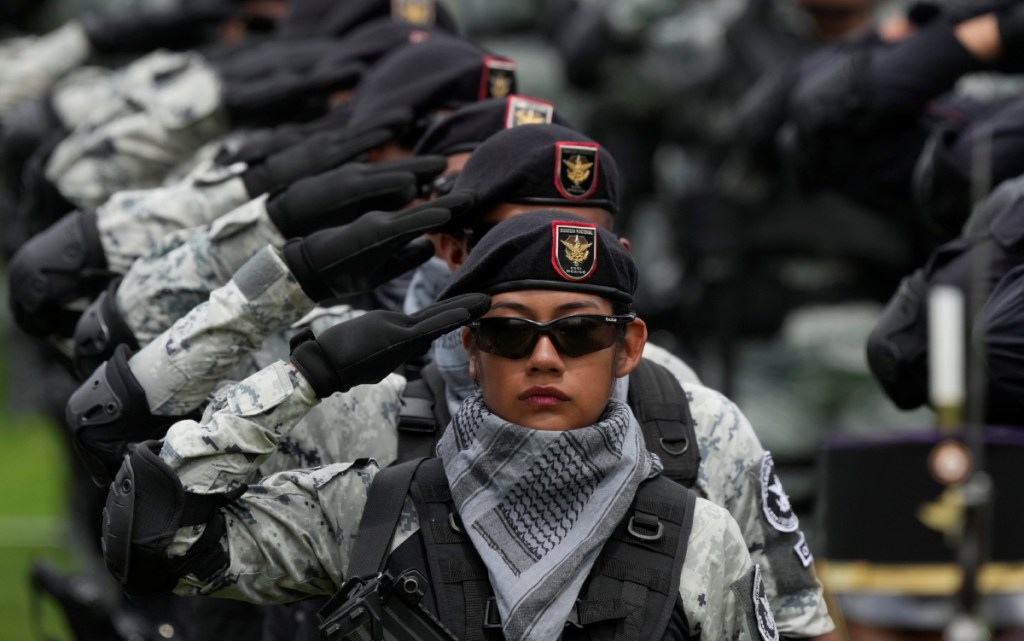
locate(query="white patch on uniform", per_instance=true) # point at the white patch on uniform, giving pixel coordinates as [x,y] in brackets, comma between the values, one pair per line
[763,610]
[774,500]
[803,552]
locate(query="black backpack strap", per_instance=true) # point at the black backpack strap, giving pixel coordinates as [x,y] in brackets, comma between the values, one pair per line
[635,581]
[663,410]
[424,413]
[459,579]
[384,502]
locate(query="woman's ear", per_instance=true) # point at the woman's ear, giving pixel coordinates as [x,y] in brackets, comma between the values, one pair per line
[467,344]
[452,249]
[632,349]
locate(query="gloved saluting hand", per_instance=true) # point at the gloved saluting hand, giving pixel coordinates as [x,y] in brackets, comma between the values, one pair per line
[341,195]
[366,349]
[268,84]
[322,151]
[356,258]
[176,27]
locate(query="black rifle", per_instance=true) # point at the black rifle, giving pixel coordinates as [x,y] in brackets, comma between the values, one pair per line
[381,609]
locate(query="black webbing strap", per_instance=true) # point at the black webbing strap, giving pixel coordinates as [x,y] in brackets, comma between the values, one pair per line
[459,578]
[384,503]
[636,577]
[663,411]
[423,414]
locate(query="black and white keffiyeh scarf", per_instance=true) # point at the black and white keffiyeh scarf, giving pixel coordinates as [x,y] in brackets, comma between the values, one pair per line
[539,505]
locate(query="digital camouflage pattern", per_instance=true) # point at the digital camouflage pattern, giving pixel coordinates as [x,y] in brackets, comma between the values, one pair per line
[131,223]
[33,63]
[185,267]
[290,536]
[170,107]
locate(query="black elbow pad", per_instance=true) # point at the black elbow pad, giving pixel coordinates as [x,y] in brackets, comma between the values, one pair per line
[106,413]
[60,265]
[897,348]
[99,331]
[145,507]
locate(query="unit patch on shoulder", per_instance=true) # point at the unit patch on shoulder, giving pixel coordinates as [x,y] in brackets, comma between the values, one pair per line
[763,610]
[574,249]
[803,552]
[498,79]
[576,169]
[422,13]
[520,110]
[774,501]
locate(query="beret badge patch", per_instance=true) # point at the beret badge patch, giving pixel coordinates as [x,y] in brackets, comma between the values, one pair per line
[576,169]
[422,13]
[499,78]
[521,110]
[574,249]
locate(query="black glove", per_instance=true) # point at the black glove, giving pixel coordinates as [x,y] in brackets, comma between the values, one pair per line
[260,89]
[356,258]
[368,348]
[147,30]
[341,195]
[321,151]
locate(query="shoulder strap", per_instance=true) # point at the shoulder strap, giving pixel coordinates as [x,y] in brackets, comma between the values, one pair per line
[384,503]
[636,578]
[663,410]
[424,413]
[458,577]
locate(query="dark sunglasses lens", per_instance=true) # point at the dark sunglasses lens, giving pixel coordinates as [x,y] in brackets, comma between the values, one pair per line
[506,337]
[580,335]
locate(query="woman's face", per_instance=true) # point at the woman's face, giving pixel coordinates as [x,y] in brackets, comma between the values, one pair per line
[547,390]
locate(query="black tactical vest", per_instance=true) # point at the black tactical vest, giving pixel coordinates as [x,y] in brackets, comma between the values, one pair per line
[632,593]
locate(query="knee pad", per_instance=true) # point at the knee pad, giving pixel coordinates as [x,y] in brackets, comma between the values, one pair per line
[897,348]
[146,505]
[55,268]
[100,329]
[106,413]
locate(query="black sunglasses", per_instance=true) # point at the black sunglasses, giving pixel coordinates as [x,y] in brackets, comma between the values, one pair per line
[571,335]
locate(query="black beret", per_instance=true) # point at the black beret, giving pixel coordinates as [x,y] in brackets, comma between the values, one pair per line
[542,164]
[547,249]
[376,39]
[333,18]
[442,72]
[470,125]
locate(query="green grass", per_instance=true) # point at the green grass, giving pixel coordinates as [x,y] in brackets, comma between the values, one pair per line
[32,505]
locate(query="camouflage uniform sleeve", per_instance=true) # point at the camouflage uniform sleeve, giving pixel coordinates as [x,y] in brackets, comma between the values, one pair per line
[186,267]
[33,64]
[173,108]
[672,363]
[716,557]
[180,368]
[132,222]
[736,473]
[290,537]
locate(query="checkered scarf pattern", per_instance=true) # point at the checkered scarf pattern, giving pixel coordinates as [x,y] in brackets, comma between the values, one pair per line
[539,505]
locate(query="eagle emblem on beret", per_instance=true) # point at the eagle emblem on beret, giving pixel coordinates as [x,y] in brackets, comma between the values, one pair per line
[499,78]
[520,111]
[421,13]
[576,169]
[574,249]
[577,250]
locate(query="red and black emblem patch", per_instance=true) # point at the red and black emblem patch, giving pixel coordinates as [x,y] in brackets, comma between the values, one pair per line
[422,13]
[498,79]
[576,169]
[574,249]
[520,110]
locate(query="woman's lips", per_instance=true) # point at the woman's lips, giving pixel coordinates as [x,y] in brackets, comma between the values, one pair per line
[543,396]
